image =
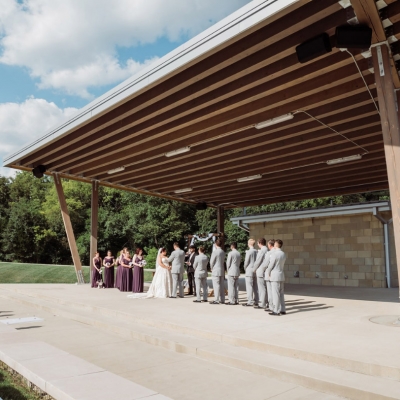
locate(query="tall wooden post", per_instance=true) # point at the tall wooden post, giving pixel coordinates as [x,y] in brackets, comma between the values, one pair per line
[221,223]
[68,229]
[94,222]
[391,134]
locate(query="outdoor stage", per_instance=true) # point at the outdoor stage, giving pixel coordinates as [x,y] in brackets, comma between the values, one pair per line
[325,343]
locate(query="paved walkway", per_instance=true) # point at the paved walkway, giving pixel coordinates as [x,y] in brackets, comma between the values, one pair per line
[226,352]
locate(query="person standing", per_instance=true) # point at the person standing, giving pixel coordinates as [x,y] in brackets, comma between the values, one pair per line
[120,268]
[190,269]
[250,276]
[218,272]
[126,276]
[177,258]
[96,273]
[138,273]
[263,267]
[108,264]
[200,275]
[233,267]
[275,273]
[261,284]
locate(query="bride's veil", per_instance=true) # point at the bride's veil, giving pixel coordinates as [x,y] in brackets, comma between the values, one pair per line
[158,255]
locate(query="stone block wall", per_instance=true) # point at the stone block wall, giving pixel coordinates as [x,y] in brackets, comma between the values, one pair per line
[342,251]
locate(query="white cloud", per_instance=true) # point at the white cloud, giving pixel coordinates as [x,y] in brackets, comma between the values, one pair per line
[71,45]
[21,123]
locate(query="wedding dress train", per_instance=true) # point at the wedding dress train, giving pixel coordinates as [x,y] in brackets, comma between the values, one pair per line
[161,286]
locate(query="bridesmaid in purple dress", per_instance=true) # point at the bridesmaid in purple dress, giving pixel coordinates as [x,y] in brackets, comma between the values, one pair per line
[109,263]
[138,273]
[126,276]
[119,268]
[96,272]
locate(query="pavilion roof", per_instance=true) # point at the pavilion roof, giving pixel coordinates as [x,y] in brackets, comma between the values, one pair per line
[210,92]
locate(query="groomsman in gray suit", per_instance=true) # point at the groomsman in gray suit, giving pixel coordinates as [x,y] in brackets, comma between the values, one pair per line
[271,248]
[177,259]
[200,275]
[261,285]
[233,267]
[276,275]
[250,276]
[218,272]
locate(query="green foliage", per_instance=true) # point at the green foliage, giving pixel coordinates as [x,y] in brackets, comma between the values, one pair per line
[150,257]
[12,388]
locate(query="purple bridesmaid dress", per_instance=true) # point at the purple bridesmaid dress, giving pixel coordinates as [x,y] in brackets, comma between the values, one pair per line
[138,277]
[126,276]
[95,274]
[109,273]
[119,274]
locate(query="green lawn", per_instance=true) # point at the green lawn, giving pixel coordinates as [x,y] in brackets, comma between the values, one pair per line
[44,273]
[11,388]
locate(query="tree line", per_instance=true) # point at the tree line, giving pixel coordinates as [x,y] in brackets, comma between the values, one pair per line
[32,230]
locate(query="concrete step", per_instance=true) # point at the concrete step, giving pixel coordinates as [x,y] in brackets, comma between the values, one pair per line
[368,368]
[324,378]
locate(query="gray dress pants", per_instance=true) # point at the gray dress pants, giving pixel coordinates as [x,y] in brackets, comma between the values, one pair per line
[201,283]
[262,291]
[233,289]
[177,280]
[252,290]
[278,297]
[219,288]
[269,292]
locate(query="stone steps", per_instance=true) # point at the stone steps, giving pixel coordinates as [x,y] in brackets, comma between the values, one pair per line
[325,378]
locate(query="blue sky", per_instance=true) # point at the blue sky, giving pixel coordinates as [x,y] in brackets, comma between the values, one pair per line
[58,55]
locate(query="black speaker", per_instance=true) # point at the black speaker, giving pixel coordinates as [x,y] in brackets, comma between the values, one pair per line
[313,48]
[353,37]
[201,206]
[39,171]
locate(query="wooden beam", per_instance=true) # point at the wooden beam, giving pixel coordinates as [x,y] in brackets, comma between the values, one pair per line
[391,134]
[68,228]
[94,222]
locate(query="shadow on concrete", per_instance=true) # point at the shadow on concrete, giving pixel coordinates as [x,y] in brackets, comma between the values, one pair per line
[346,293]
[28,327]
[6,315]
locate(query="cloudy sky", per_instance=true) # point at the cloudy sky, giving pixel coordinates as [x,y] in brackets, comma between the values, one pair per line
[58,55]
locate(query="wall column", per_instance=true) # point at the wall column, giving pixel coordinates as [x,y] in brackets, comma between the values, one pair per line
[94,222]
[391,134]
[68,229]
[221,223]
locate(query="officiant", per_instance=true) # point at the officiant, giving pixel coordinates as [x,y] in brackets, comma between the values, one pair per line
[190,270]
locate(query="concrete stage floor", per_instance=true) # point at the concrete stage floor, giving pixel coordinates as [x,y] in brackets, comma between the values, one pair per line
[326,347]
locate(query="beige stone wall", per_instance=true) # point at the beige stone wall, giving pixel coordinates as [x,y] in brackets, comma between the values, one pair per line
[334,248]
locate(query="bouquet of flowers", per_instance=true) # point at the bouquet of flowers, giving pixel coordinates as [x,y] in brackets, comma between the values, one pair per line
[143,263]
[108,264]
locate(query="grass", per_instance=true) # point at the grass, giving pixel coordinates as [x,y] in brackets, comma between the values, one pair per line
[45,273]
[11,388]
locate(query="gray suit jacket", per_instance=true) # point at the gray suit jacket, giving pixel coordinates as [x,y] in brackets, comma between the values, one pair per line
[262,268]
[260,259]
[233,263]
[177,258]
[200,266]
[217,262]
[276,265]
[249,261]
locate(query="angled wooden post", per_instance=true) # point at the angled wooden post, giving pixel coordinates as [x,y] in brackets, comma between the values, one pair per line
[68,229]
[94,222]
[391,134]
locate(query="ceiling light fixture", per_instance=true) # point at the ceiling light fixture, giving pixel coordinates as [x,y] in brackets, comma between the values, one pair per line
[344,159]
[274,121]
[249,178]
[178,151]
[115,170]
[183,190]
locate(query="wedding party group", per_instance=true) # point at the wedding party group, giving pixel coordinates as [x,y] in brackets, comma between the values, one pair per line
[264,275]
[129,276]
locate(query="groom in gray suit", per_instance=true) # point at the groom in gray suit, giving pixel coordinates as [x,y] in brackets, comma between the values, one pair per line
[177,259]
[218,272]
[233,267]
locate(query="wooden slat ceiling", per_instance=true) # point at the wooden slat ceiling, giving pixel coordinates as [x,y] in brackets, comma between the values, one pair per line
[212,106]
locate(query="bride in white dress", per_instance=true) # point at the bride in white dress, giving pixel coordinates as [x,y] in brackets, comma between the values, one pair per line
[161,286]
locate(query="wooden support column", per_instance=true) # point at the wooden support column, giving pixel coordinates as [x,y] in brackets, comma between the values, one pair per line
[68,229]
[94,222]
[391,134]
[221,223]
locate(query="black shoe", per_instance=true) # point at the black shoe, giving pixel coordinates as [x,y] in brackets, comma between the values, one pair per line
[267,309]
[275,314]
[172,297]
[247,305]
[236,304]
[213,302]
[196,301]
[229,304]
[260,308]
[283,312]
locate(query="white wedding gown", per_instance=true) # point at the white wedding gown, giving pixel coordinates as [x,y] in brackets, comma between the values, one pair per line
[161,286]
